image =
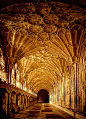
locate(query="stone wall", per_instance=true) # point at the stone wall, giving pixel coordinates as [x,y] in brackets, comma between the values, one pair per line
[13,99]
[70,93]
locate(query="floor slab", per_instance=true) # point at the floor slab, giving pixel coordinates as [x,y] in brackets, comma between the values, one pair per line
[41,111]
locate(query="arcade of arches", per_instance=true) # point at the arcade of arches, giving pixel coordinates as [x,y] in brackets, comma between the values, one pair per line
[42,46]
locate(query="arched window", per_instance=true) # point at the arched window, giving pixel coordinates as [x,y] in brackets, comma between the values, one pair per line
[2,67]
[24,84]
[13,77]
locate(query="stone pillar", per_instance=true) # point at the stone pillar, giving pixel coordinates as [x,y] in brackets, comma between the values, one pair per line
[28,100]
[77,73]
[52,95]
[13,102]
[84,86]
[75,81]
[6,103]
[72,88]
[55,95]
[63,90]
[16,108]
[61,97]
[69,90]
[23,101]
[9,105]
[19,102]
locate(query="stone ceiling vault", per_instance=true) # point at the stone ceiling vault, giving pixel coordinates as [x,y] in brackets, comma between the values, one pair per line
[43,39]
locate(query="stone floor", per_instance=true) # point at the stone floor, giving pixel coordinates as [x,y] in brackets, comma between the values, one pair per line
[41,111]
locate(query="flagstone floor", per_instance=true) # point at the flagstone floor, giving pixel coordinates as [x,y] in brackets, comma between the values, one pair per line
[41,111]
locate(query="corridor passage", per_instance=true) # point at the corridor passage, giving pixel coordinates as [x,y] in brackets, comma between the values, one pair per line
[42,59]
[41,111]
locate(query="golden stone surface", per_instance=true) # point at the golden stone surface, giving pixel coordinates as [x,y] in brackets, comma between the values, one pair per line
[43,46]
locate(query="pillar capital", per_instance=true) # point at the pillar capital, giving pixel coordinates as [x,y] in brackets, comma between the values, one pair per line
[63,74]
[74,59]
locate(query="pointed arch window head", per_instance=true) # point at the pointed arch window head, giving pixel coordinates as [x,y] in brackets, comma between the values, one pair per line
[2,62]
[13,77]
[16,66]
[24,84]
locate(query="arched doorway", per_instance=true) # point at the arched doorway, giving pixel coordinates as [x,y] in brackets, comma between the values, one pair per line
[3,102]
[43,96]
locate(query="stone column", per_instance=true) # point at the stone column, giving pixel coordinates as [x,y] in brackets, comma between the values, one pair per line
[63,89]
[28,100]
[13,102]
[19,102]
[84,86]
[72,88]
[23,101]
[6,103]
[9,105]
[77,73]
[55,95]
[69,89]
[16,108]
[52,96]
[75,81]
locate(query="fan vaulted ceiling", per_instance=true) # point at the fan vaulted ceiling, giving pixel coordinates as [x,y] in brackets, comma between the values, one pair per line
[43,39]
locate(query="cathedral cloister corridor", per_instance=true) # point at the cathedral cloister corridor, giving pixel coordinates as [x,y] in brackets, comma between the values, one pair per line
[42,59]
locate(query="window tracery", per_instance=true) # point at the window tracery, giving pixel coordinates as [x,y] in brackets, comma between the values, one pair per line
[2,67]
